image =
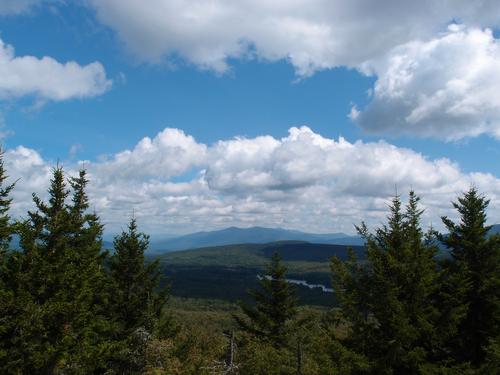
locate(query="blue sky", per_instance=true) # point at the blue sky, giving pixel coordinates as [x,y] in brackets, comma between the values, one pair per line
[213,89]
[254,98]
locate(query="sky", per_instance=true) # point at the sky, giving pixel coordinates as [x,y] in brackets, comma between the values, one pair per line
[303,114]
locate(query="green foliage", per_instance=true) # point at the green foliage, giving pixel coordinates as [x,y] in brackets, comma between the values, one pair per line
[8,306]
[137,307]
[312,347]
[6,227]
[492,357]
[387,300]
[471,299]
[275,306]
[61,324]
[226,272]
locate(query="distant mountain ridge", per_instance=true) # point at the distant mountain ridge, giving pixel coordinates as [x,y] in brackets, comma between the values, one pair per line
[495,229]
[255,235]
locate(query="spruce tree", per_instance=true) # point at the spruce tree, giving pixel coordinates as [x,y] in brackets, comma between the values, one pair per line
[8,278]
[61,324]
[385,300]
[138,304]
[91,295]
[6,227]
[42,322]
[275,306]
[473,297]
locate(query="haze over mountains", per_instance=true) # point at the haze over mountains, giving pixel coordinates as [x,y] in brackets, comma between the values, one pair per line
[234,235]
[255,235]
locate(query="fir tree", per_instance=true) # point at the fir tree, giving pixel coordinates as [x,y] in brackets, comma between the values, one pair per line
[473,297]
[137,303]
[275,306]
[91,294]
[8,306]
[6,227]
[386,300]
[61,324]
[43,319]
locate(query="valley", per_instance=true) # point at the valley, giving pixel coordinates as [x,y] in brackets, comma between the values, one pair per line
[227,272]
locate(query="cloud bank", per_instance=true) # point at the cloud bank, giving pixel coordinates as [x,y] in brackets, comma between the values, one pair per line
[311,34]
[302,181]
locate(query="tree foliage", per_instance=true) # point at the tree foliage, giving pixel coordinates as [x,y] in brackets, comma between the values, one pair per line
[474,293]
[275,306]
[136,303]
[62,323]
[386,299]
[8,308]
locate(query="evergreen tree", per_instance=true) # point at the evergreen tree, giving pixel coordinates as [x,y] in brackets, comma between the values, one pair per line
[91,294]
[473,295]
[137,303]
[41,324]
[275,306]
[7,277]
[60,326]
[6,227]
[386,300]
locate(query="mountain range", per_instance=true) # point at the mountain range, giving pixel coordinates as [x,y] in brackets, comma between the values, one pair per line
[253,235]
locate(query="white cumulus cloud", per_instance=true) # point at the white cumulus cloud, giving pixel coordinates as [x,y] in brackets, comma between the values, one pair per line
[445,87]
[47,79]
[301,181]
[169,154]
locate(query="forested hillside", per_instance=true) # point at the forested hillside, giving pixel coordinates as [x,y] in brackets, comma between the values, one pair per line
[69,307]
[226,272]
